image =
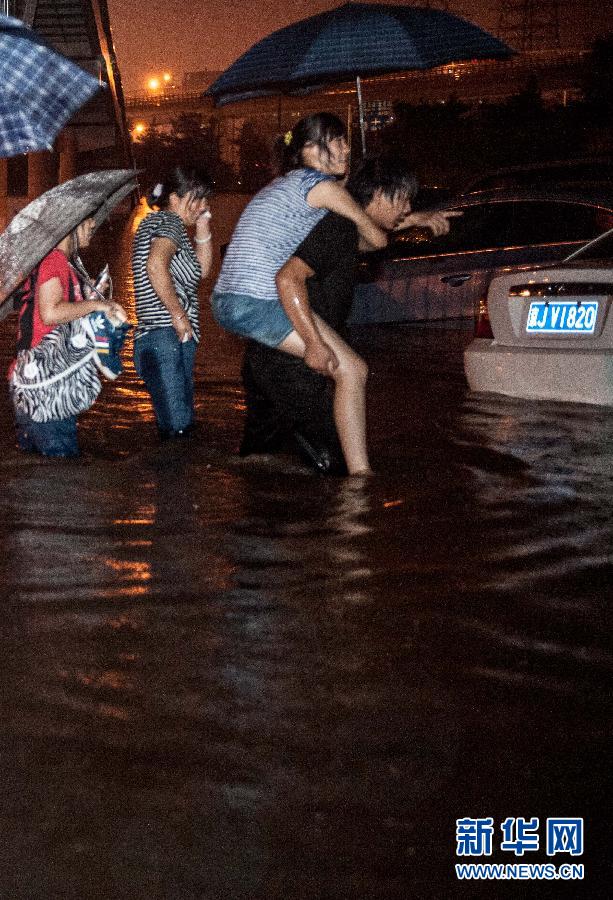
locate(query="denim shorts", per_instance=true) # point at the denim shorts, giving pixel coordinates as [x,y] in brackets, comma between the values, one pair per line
[250,317]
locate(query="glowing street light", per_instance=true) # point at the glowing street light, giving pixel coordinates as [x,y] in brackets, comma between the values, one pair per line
[157,84]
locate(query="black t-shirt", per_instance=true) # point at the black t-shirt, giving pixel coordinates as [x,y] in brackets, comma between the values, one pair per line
[281,393]
[331,250]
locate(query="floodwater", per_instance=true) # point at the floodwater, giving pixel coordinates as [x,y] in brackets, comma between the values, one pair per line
[239,680]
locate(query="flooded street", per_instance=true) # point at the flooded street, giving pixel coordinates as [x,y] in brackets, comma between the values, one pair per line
[239,680]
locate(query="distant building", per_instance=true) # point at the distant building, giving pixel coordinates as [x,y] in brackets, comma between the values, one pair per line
[199,81]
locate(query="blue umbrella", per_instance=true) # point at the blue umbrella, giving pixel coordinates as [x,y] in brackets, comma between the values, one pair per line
[39,90]
[350,41]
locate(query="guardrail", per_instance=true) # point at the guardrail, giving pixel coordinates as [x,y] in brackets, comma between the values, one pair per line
[148,99]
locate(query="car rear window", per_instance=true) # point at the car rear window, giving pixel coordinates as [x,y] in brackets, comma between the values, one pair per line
[550,222]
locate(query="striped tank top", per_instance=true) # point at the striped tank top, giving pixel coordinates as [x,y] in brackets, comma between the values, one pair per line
[184,269]
[271,227]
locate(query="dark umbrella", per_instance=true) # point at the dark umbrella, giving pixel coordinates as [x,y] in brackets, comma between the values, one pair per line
[46,221]
[350,41]
[39,89]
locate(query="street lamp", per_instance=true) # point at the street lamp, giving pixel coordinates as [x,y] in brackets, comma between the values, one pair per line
[160,83]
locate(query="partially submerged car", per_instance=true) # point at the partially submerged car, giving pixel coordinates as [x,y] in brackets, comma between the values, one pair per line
[419,277]
[551,332]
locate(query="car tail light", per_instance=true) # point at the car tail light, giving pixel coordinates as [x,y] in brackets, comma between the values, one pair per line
[483,329]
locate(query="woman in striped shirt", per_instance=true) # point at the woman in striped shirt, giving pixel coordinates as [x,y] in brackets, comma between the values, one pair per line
[246,298]
[167,272]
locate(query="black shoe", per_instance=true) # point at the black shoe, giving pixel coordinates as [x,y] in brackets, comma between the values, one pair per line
[167,434]
[320,458]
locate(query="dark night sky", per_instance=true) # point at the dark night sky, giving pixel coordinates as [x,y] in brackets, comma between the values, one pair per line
[152,35]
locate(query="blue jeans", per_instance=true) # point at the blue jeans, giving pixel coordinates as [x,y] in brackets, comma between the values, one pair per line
[57,438]
[167,368]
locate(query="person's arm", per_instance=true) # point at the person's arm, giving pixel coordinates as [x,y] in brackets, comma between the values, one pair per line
[54,310]
[437,222]
[333,196]
[203,242]
[158,270]
[291,285]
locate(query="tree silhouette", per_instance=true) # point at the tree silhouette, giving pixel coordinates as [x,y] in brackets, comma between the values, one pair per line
[189,142]
[255,165]
[598,77]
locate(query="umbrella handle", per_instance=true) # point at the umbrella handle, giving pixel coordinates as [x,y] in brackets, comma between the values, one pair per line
[82,272]
[358,83]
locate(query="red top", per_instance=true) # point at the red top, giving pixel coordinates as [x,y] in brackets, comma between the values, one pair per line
[54,265]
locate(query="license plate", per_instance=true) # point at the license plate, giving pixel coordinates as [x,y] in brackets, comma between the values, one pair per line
[562,317]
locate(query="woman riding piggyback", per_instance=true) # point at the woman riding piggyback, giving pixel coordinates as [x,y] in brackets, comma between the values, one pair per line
[246,299]
[282,214]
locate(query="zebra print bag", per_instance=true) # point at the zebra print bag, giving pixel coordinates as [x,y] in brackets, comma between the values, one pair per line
[59,377]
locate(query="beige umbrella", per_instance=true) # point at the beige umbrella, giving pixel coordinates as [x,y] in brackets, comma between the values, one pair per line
[44,222]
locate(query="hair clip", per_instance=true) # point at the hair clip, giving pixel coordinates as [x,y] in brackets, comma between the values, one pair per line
[287,138]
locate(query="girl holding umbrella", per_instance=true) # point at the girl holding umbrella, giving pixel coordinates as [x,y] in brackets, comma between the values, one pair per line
[57,293]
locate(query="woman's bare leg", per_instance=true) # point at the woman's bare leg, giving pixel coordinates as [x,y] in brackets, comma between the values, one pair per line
[349,395]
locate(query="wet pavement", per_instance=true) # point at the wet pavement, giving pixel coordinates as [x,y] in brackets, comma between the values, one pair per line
[226,679]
